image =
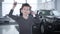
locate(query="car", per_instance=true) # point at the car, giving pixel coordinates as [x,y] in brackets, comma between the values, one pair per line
[50,21]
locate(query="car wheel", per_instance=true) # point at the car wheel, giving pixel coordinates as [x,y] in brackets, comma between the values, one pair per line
[42,29]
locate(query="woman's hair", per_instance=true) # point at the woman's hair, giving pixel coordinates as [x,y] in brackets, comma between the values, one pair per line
[25,4]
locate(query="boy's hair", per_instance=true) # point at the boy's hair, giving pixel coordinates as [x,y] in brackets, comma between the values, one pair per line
[25,4]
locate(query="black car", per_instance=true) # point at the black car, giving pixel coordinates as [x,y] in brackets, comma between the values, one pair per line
[50,21]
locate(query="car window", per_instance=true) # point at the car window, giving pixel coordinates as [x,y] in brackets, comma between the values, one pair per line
[56,13]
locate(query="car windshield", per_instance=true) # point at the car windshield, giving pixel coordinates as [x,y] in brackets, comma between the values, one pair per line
[46,12]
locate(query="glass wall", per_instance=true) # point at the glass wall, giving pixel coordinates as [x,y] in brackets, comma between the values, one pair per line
[7,5]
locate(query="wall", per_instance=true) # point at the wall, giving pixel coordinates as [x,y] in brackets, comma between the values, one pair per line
[46,5]
[57,5]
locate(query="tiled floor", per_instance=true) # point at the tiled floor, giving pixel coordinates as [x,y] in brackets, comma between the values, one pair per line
[8,29]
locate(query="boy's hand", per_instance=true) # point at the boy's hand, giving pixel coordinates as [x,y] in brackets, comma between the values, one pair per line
[14,5]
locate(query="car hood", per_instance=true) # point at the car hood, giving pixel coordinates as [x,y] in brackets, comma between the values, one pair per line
[53,17]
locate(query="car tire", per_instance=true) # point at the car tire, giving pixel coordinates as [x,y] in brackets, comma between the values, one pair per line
[42,29]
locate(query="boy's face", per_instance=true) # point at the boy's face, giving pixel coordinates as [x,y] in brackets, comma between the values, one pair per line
[26,10]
